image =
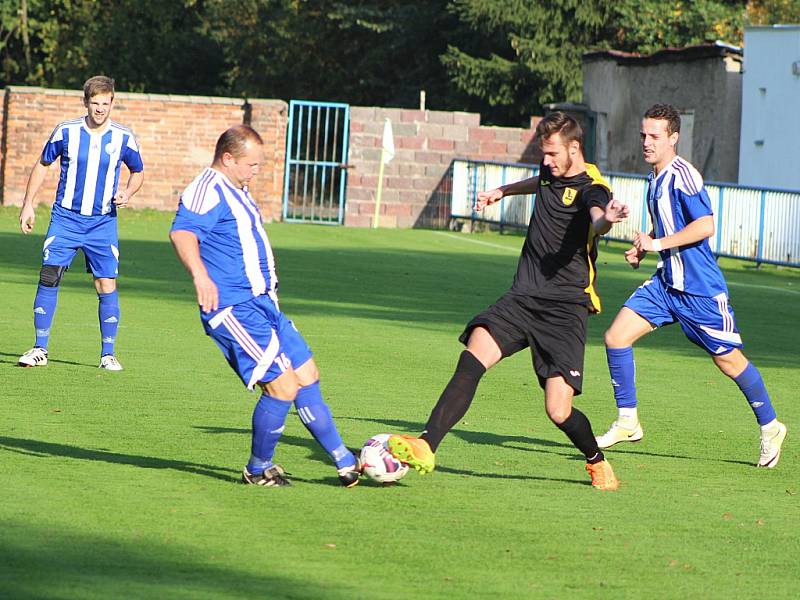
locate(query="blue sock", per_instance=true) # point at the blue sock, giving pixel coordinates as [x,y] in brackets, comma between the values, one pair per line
[753,388]
[317,418]
[269,417]
[108,312]
[623,375]
[44,309]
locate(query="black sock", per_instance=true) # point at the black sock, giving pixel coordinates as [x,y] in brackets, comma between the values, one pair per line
[579,431]
[455,399]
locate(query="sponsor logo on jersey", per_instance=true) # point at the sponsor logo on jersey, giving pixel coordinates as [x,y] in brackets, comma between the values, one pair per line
[569,196]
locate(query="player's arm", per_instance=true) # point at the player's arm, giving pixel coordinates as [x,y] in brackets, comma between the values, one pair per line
[135,181]
[604,210]
[488,197]
[27,216]
[187,248]
[696,231]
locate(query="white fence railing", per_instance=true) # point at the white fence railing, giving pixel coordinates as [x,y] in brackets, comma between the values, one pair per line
[758,224]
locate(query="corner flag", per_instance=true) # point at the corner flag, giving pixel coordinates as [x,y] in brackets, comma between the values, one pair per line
[387,146]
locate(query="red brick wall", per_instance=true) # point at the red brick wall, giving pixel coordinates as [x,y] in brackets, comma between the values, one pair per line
[425,144]
[176,135]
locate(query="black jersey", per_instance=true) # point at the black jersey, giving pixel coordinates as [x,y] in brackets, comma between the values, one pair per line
[558,257]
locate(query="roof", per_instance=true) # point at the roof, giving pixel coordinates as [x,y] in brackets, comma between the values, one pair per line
[699,52]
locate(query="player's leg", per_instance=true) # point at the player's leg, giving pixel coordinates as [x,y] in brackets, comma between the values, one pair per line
[711,324]
[60,245]
[101,248]
[489,337]
[108,313]
[646,309]
[248,340]
[576,426]
[316,415]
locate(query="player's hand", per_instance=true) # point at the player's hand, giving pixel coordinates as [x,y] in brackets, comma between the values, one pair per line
[121,199]
[616,211]
[634,257]
[642,242]
[207,293]
[487,198]
[27,217]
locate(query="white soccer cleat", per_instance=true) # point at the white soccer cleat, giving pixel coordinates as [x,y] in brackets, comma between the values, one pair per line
[771,443]
[619,433]
[110,363]
[35,357]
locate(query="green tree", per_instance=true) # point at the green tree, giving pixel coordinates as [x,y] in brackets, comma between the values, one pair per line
[534,56]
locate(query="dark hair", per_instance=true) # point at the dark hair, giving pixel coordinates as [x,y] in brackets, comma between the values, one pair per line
[99,84]
[668,113]
[234,139]
[561,123]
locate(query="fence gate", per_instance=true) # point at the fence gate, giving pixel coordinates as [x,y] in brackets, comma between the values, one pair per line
[315,179]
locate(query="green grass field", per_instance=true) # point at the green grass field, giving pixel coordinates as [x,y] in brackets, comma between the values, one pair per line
[123,485]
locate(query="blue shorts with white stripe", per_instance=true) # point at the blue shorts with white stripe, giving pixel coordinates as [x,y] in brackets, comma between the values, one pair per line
[706,321]
[259,342]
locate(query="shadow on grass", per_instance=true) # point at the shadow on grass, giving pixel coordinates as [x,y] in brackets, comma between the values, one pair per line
[15,358]
[45,562]
[49,449]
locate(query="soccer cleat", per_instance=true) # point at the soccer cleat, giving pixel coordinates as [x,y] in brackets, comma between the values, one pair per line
[771,447]
[348,476]
[35,357]
[618,433]
[412,451]
[603,477]
[275,476]
[110,363]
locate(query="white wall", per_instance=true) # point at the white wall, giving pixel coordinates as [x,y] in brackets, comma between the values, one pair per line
[769,152]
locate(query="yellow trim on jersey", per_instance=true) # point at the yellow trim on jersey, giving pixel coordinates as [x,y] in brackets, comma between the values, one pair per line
[597,179]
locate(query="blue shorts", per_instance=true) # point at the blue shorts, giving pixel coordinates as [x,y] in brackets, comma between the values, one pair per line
[707,321]
[259,342]
[95,235]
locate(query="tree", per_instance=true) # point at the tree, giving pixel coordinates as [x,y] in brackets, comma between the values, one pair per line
[534,56]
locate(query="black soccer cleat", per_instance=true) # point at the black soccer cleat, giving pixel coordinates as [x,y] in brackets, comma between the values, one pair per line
[348,476]
[275,476]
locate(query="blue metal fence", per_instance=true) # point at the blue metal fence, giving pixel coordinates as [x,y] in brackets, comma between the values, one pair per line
[758,224]
[315,177]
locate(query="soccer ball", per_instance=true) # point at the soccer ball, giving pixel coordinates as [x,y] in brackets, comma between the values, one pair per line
[378,463]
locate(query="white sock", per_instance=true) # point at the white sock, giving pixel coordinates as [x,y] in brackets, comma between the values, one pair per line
[628,415]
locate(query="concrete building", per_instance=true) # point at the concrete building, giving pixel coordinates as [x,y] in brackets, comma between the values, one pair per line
[770,131]
[704,82]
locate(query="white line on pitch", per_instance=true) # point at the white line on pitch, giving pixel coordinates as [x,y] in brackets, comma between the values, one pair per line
[462,238]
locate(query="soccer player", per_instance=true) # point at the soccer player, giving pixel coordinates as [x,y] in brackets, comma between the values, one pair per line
[687,287]
[548,304]
[84,214]
[219,237]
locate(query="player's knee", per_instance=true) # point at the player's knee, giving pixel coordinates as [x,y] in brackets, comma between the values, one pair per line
[558,414]
[615,338]
[50,275]
[283,388]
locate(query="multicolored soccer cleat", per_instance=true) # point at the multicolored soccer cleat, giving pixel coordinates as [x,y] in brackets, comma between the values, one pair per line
[275,476]
[620,433]
[412,451]
[348,476]
[603,477]
[771,446]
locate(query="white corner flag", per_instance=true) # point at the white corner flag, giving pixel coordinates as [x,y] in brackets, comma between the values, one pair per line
[387,146]
[387,154]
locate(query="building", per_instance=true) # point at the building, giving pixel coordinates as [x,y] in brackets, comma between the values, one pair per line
[770,130]
[704,82]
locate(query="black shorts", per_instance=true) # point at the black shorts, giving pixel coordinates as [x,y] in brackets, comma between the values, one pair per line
[554,331]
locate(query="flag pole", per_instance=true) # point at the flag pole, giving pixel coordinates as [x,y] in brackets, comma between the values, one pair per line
[377,217]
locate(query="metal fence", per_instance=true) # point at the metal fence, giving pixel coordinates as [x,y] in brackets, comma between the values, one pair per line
[757,224]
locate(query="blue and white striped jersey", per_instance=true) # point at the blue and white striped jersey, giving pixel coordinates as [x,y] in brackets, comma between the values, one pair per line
[90,164]
[674,199]
[233,244]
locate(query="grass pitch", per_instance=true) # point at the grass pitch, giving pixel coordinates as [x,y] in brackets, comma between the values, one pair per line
[122,485]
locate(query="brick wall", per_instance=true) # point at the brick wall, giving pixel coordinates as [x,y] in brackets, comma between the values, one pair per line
[425,143]
[176,135]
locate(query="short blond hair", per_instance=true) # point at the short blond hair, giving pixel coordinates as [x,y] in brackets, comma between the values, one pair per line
[99,84]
